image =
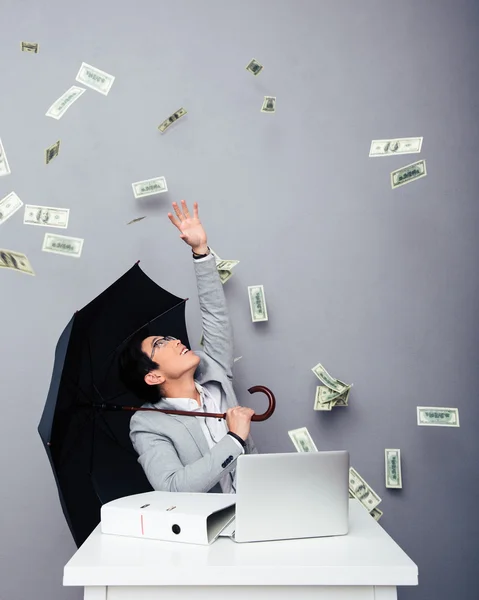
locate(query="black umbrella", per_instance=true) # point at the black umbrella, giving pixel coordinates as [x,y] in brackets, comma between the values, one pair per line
[84,430]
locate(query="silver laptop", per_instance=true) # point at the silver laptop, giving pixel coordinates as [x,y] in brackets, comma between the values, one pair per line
[290,495]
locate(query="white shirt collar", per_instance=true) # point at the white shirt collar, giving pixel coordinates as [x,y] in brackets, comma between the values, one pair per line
[185,403]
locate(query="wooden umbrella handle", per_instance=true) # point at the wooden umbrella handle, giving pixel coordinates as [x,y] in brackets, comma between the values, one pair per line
[251,390]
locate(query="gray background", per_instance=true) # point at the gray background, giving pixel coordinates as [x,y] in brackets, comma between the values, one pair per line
[381,286]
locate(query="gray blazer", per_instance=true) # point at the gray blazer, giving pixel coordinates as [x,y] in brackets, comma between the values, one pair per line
[172,449]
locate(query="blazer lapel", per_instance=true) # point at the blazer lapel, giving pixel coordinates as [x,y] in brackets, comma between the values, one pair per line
[193,426]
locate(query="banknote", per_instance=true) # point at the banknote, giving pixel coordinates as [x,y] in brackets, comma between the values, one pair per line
[171,119]
[95,78]
[9,206]
[438,416]
[62,244]
[46,216]
[30,47]
[395,146]
[392,466]
[136,220]
[269,104]
[237,359]
[51,152]
[331,382]
[376,514]
[9,259]
[254,67]
[362,491]
[4,168]
[224,267]
[149,187]
[408,173]
[324,397]
[60,106]
[302,441]
[257,303]
[343,399]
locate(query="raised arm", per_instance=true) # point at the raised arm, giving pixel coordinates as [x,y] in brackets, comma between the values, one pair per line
[217,330]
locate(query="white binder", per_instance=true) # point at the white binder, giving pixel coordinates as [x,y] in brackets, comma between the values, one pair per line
[191,518]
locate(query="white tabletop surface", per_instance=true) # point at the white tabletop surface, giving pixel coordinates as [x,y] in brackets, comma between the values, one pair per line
[366,556]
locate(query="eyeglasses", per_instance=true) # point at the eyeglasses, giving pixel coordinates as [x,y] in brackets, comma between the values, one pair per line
[161,342]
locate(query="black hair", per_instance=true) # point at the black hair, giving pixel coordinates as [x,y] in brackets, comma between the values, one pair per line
[134,364]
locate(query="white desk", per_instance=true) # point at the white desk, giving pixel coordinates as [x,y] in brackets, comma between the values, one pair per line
[366,564]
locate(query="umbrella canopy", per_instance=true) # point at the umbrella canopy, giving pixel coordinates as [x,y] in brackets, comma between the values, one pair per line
[88,446]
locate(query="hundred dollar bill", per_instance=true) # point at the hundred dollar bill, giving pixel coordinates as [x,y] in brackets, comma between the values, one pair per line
[257,303]
[376,514]
[60,106]
[254,67]
[224,267]
[324,398]
[9,259]
[4,168]
[136,220]
[362,491]
[269,104]
[30,47]
[331,382]
[62,244]
[438,416]
[95,78]
[9,206]
[51,152]
[302,441]
[392,464]
[46,216]
[149,187]
[408,173]
[171,119]
[395,146]
[342,399]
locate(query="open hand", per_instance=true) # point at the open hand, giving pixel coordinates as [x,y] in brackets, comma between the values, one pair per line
[192,231]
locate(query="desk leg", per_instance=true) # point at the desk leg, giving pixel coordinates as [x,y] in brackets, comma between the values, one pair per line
[384,592]
[96,592]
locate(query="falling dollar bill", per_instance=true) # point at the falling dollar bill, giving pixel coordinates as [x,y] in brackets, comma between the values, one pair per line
[136,220]
[181,112]
[9,206]
[237,359]
[376,514]
[392,464]
[51,152]
[254,67]
[224,267]
[9,259]
[362,491]
[324,398]
[257,303]
[331,382]
[95,78]
[343,399]
[269,104]
[408,173]
[4,168]
[149,187]
[30,47]
[397,146]
[46,216]
[302,441]
[60,106]
[437,416]
[62,244]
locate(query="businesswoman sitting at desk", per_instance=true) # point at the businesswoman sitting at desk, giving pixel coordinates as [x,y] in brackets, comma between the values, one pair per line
[180,453]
